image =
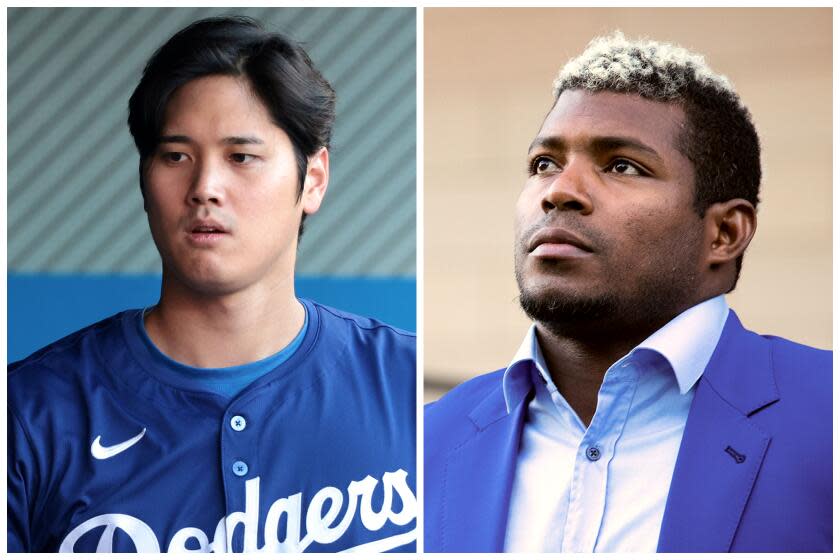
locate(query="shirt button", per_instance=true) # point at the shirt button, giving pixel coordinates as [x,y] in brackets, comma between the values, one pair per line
[593,454]
[238,423]
[240,468]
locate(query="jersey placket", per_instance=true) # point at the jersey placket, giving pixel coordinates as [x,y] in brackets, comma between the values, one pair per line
[240,473]
[588,489]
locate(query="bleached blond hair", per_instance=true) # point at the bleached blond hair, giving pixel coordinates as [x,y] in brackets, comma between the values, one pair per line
[659,71]
[719,137]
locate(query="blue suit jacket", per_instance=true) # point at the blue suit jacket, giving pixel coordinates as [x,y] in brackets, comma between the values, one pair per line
[767,398]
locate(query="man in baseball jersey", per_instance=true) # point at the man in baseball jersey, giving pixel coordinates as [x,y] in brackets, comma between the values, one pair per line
[231,416]
[638,415]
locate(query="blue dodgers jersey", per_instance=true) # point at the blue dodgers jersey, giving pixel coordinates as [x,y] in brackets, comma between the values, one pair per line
[105,454]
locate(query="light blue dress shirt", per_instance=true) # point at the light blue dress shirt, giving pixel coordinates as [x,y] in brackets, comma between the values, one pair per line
[603,488]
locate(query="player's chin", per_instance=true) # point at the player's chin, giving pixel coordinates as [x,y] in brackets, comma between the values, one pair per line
[547,285]
[548,295]
[219,283]
[550,276]
[207,279]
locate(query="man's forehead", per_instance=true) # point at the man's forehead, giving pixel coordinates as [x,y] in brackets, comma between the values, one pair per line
[223,109]
[605,113]
[232,98]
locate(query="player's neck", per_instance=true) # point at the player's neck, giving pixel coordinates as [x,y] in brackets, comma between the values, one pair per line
[577,365]
[228,330]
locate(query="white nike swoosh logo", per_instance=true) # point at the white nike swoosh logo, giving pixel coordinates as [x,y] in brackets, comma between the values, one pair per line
[101,452]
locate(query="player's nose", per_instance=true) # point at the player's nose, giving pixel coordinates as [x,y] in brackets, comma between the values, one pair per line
[207,185]
[570,189]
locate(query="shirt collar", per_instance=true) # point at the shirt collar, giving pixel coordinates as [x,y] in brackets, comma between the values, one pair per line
[687,342]
[516,381]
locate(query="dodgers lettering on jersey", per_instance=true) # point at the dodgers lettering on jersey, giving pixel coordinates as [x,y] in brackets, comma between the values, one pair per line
[106,455]
[320,526]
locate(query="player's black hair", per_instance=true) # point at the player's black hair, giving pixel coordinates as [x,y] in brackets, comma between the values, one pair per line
[278,70]
[721,141]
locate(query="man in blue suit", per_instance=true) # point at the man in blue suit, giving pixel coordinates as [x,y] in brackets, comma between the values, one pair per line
[639,415]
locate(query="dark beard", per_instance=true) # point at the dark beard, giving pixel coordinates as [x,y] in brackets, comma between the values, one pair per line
[561,314]
[654,303]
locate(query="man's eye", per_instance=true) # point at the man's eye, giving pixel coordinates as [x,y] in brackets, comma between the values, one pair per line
[175,157]
[542,165]
[242,158]
[624,167]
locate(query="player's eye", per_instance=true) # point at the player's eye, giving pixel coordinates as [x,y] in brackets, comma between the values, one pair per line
[242,158]
[541,165]
[174,157]
[625,167]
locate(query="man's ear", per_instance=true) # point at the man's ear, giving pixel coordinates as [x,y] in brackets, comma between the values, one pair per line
[315,183]
[730,227]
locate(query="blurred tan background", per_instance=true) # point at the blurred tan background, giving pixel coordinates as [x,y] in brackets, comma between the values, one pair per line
[488,75]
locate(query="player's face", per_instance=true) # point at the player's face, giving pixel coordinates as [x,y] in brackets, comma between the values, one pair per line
[221,191]
[605,224]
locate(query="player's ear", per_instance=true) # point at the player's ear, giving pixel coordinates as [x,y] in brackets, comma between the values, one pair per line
[315,183]
[730,226]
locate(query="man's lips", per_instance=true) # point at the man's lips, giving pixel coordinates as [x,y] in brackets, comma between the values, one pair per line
[206,233]
[553,242]
[206,227]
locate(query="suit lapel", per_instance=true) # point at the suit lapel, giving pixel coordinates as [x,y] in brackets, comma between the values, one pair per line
[479,476]
[722,449]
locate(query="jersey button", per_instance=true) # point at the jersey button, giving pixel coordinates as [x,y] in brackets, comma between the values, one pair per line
[240,468]
[238,423]
[593,454]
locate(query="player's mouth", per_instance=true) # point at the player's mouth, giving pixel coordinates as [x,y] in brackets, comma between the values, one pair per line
[206,232]
[557,243]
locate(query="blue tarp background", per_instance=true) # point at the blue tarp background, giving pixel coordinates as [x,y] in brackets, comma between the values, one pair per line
[43,308]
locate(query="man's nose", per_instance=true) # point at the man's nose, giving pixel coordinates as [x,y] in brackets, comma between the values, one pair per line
[207,185]
[570,189]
